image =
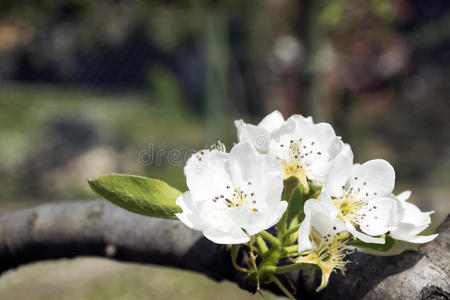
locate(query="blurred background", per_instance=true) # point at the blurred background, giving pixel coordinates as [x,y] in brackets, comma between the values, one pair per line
[93,87]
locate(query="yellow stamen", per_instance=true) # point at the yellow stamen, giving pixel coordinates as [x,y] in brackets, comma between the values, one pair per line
[328,256]
[348,206]
[293,166]
[238,198]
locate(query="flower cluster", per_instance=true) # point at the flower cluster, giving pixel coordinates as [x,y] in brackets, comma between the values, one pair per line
[300,176]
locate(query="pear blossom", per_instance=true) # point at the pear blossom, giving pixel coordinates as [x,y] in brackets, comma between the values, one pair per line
[306,150]
[322,240]
[232,196]
[413,222]
[259,135]
[360,196]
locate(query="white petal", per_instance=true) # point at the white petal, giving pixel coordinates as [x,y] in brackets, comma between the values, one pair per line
[282,136]
[239,124]
[380,215]
[347,150]
[277,214]
[256,173]
[271,183]
[373,178]
[364,237]
[414,215]
[316,216]
[355,167]
[300,121]
[404,196]
[219,237]
[210,183]
[304,243]
[319,171]
[408,229]
[323,136]
[272,121]
[325,225]
[326,200]
[417,239]
[216,216]
[245,164]
[244,161]
[203,159]
[413,222]
[339,174]
[256,135]
[190,215]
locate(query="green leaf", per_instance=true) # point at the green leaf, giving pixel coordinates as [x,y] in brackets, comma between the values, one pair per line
[295,207]
[389,242]
[145,196]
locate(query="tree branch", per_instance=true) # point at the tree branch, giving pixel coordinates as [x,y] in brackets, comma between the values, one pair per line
[97,228]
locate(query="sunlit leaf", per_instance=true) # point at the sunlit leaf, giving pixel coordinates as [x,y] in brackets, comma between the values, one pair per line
[145,196]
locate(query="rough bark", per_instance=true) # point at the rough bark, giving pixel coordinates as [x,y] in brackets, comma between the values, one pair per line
[97,228]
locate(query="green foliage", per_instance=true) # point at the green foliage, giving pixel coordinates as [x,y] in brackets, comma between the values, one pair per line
[166,89]
[379,247]
[295,207]
[331,14]
[145,196]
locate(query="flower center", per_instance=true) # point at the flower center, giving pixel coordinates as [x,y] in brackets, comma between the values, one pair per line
[294,164]
[349,206]
[237,197]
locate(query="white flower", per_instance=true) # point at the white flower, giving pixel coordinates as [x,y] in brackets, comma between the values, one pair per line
[259,135]
[318,221]
[232,195]
[322,240]
[306,150]
[413,222]
[361,197]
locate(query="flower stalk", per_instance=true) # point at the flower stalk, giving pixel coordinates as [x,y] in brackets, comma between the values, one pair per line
[281,286]
[290,184]
[273,240]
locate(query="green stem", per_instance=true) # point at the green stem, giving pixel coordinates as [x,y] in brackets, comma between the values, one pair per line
[290,184]
[289,255]
[261,245]
[252,254]
[273,240]
[234,254]
[291,230]
[289,249]
[288,268]
[250,245]
[281,286]
[269,261]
